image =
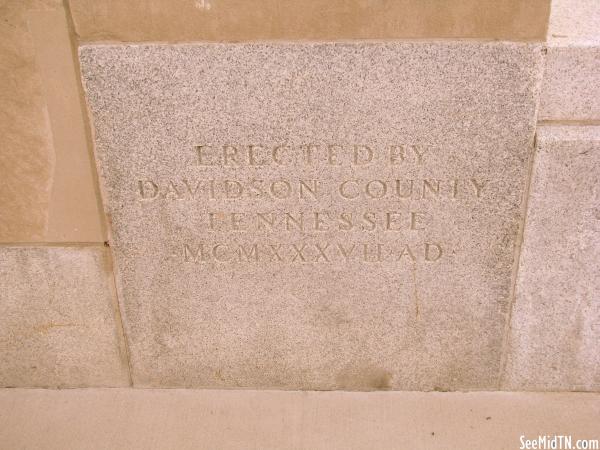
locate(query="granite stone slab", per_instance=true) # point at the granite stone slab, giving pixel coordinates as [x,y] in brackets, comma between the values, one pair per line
[571,87]
[318,215]
[58,319]
[574,19]
[556,317]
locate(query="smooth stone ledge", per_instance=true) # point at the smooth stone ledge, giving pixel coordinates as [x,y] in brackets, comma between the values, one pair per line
[556,318]
[240,20]
[197,419]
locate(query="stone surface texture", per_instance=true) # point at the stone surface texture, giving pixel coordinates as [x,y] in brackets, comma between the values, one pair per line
[47,187]
[571,87]
[574,19]
[27,159]
[74,206]
[203,307]
[556,317]
[57,319]
[202,419]
[571,90]
[240,20]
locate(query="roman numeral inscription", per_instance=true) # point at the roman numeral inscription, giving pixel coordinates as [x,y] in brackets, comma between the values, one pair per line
[386,206]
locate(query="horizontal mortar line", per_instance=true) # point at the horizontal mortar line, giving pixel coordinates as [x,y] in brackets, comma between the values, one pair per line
[295,391]
[312,41]
[573,122]
[52,244]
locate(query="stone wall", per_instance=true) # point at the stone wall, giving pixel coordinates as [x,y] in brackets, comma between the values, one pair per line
[361,210]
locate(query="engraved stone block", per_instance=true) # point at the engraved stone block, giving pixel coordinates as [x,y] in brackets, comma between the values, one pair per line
[556,317]
[58,324]
[314,216]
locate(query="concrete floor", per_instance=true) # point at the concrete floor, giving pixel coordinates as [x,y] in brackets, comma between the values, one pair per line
[208,419]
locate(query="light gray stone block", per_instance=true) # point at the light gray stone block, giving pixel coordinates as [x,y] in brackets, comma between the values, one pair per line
[571,87]
[574,19]
[57,319]
[256,248]
[556,317]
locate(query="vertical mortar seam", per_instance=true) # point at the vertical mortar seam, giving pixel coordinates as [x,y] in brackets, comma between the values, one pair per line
[518,248]
[104,222]
[516,266]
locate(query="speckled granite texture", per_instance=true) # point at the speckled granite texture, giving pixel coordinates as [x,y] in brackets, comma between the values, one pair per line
[59,323]
[314,216]
[571,87]
[556,318]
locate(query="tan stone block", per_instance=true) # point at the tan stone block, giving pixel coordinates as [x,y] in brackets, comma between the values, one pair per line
[26,159]
[47,189]
[302,266]
[240,20]
[59,324]
[203,419]
[556,318]
[74,214]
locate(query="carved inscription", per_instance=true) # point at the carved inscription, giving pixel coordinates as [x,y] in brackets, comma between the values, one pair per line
[308,155]
[244,213]
[282,188]
[311,252]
